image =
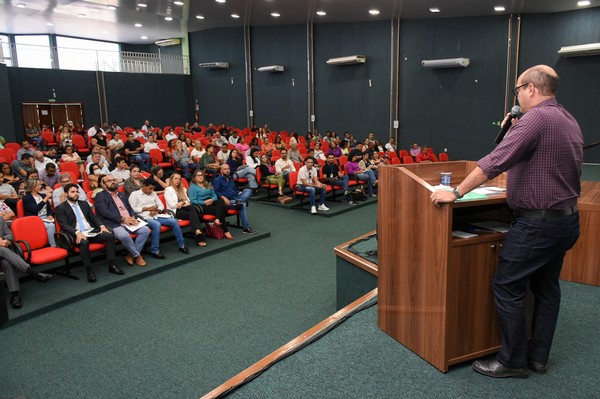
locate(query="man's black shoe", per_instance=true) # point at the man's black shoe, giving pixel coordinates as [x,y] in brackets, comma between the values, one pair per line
[537,367]
[248,231]
[238,205]
[493,368]
[91,276]
[43,277]
[15,301]
[115,269]
[184,250]
[157,255]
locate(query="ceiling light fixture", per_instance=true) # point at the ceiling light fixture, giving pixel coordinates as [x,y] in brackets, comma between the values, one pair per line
[81,15]
[374,12]
[111,7]
[499,8]
[275,14]
[143,5]
[105,32]
[168,18]
[220,1]
[21,5]
[321,13]
[178,3]
[434,9]
[138,25]
[234,15]
[583,3]
[200,16]
[144,37]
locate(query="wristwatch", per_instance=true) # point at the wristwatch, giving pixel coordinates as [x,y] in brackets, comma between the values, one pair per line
[456,192]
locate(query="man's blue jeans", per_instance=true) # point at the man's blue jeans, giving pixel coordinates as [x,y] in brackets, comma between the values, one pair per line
[533,253]
[143,160]
[311,193]
[155,224]
[242,198]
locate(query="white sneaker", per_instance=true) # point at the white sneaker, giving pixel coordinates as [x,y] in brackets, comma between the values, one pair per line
[313,209]
[322,207]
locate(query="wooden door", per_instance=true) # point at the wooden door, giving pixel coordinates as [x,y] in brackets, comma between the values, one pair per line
[44,114]
[75,113]
[59,115]
[30,114]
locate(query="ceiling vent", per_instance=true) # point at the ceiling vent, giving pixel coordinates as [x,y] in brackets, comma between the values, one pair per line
[168,42]
[580,50]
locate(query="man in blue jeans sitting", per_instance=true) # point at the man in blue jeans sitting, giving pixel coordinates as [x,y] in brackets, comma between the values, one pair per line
[147,205]
[308,181]
[225,188]
[135,150]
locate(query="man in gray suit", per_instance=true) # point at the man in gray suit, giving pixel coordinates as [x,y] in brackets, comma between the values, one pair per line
[11,263]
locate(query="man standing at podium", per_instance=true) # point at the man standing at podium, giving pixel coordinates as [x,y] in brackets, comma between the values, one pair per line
[542,153]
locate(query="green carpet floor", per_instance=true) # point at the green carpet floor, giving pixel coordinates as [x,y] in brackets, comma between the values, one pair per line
[357,360]
[184,331]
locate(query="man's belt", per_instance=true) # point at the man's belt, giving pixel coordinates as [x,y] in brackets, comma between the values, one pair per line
[544,213]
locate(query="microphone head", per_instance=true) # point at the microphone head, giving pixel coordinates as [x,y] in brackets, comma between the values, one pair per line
[516,111]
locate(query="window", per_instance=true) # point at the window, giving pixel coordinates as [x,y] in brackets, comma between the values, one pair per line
[5,54]
[33,51]
[87,55]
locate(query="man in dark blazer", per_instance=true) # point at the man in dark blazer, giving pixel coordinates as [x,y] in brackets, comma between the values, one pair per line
[77,219]
[10,263]
[114,210]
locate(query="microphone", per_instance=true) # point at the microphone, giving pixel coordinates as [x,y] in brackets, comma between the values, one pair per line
[515,112]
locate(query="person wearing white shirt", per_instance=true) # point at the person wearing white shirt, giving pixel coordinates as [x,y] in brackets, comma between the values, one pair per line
[93,130]
[59,196]
[233,139]
[121,172]
[198,151]
[223,155]
[115,143]
[138,133]
[318,153]
[146,204]
[147,127]
[170,135]
[99,160]
[308,182]
[284,166]
[391,145]
[219,140]
[150,144]
[41,161]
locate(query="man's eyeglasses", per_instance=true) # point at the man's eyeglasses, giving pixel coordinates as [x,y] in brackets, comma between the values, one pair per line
[516,89]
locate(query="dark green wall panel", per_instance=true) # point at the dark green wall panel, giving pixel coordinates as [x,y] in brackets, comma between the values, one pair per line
[8,131]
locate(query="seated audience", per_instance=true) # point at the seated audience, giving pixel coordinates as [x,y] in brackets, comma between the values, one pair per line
[134,182]
[293,153]
[75,217]
[197,152]
[241,145]
[8,194]
[41,161]
[114,211]
[318,154]
[223,154]
[201,193]
[179,203]
[11,264]
[334,150]
[22,165]
[146,204]
[308,182]
[32,134]
[332,175]
[365,163]
[391,146]
[6,213]
[208,161]
[121,171]
[59,195]
[158,175]
[269,175]
[424,156]
[37,202]
[284,166]
[355,172]
[415,150]
[237,167]
[181,155]
[151,144]
[135,150]
[25,149]
[9,177]
[226,190]
[267,146]
[49,175]
[279,144]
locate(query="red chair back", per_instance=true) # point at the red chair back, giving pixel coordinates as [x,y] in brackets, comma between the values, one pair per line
[14,146]
[9,154]
[20,209]
[293,180]
[396,161]
[30,229]
[444,157]
[403,153]
[79,143]
[408,159]
[72,168]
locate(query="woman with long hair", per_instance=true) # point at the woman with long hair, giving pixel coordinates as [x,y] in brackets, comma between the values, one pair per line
[178,202]
[37,203]
[279,144]
[201,193]
[162,182]
[267,171]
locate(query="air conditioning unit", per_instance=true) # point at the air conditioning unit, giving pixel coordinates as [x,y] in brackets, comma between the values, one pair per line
[168,42]
[271,68]
[351,59]
[580,50]
[447,63]
[215,65]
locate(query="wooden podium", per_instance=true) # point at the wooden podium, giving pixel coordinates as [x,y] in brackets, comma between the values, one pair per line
[435,294]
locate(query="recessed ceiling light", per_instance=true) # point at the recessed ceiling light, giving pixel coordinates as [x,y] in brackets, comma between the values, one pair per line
[321,13]
[144,37]
[49,24]
[21,5]
[168,18]
[374,12]
[111,7]
[105,32]
[233,15]
[220,1]
[583,3]
[200,16]
[275,14]
[178,3]
[434,9]
[141,4]
[81,15]
[499,8]
[138,25]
